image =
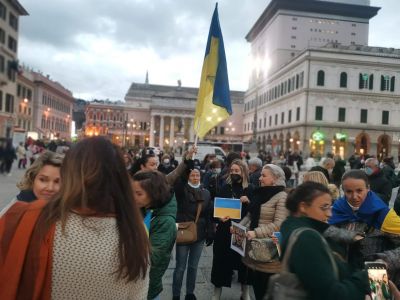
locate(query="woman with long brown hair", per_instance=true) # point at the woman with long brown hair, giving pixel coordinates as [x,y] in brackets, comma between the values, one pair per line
[88,243]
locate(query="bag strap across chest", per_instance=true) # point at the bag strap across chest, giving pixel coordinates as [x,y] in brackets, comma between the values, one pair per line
[293,239]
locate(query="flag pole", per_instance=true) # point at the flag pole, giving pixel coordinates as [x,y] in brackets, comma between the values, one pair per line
[196,138]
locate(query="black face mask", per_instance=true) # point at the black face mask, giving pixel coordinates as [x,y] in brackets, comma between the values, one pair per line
[236,178]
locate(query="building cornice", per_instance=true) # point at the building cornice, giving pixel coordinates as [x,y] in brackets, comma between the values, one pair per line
[18,7]
[313,6]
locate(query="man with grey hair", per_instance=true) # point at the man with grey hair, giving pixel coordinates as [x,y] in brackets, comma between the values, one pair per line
[378,183]
[255,168]
[326,167]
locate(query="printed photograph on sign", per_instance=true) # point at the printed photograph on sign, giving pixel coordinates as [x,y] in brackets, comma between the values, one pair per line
[238,238]
[227,207]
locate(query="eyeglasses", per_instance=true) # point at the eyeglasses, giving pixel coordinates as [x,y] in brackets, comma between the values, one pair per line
[326,207]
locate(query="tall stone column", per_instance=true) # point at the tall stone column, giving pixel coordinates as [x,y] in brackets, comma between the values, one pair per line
[152,125]
[191,130]
[161,132]
[172,132]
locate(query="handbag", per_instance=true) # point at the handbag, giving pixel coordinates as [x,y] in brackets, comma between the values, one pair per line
[263,250]
[286,285]
[187,231]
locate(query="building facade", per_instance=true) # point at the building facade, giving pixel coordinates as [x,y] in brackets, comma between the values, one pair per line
[24,102]
[10,11]
[158,115]
[52,108]
[329,93]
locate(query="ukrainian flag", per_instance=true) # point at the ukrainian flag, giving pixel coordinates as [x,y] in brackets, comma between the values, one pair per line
[227,207]
[213,100]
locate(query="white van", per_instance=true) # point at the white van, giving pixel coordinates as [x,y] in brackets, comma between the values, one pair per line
[203,150]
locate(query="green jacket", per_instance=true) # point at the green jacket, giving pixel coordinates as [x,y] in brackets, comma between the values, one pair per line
[310,262]
[162,239]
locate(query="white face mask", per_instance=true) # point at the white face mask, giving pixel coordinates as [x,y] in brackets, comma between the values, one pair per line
[195,186]
[166,161]
[217,170]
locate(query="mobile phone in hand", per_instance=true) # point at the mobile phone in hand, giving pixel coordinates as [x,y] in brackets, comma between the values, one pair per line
[378,280]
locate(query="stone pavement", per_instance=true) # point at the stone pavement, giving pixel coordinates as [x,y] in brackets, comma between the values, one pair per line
[204,288]
[8,189]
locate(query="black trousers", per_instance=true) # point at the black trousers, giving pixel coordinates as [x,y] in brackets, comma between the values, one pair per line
[260,283]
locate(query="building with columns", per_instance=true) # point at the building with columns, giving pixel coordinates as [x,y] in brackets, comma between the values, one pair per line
[10,11]
[158,115]
[317,86]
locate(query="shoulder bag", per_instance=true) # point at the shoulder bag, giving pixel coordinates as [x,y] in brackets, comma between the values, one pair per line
[263,250]
[187,231]
[286,285]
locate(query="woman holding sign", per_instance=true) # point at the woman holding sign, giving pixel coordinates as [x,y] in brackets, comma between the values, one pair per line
[266,213]
[226,260]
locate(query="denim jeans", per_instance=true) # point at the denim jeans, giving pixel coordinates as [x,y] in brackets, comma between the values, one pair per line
[191,254]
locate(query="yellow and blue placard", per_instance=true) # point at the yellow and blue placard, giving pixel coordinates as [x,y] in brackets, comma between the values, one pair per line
[227,207]
[213,100]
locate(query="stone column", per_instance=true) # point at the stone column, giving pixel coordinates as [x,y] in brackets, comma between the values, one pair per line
[172,132]
[161,132]
[152,123]
[191,130]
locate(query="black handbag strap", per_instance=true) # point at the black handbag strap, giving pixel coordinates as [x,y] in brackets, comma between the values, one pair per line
[293,239]
[198,212]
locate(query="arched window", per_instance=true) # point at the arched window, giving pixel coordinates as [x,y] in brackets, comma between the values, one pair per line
[343,80]
[321,78]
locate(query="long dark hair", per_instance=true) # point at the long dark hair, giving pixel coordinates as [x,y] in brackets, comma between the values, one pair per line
[94,178]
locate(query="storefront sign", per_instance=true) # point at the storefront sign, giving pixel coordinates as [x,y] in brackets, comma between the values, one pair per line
[318,136]
[341,136]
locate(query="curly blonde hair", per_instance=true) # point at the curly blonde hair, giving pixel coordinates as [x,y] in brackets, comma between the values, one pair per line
[45,159]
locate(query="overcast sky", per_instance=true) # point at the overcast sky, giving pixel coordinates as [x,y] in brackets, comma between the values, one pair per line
[97,49]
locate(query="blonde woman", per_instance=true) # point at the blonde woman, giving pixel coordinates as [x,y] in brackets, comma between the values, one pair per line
[319,177]
[226,260]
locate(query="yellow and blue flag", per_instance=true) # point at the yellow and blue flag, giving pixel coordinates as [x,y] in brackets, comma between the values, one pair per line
[227,207]
[213,100]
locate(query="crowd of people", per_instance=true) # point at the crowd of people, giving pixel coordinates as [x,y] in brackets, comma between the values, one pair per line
[98,222]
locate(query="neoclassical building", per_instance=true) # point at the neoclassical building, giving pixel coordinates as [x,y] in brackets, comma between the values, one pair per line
[318,86]
[158,115]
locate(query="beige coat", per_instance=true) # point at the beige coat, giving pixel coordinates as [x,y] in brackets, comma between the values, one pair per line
[272,214]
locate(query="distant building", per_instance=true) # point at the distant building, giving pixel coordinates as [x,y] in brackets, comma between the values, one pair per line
[10,11]
[318,87]
[44,106]
[158,115]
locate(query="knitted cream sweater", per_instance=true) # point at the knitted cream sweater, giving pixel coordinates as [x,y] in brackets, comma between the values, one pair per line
[85,260]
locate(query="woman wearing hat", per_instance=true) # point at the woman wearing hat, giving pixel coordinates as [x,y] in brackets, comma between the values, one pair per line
[266,213]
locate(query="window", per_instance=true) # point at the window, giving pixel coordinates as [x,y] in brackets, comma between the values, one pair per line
[12,44]
[301,79]
[290,116]
[392,83]
[9,103]
[293,37]
[13,21]
[385,82]
[321,78]
[343,80]
[1,100]
[2,36]
[2,64]
[222,130]
[366,81]
[294,28]
[270,120]
[297,81]
[298,114]
[292,46]
[282,117]
[342,114]
[385,117]
[319,113]
[364,116]
[3,11]
[276,119]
